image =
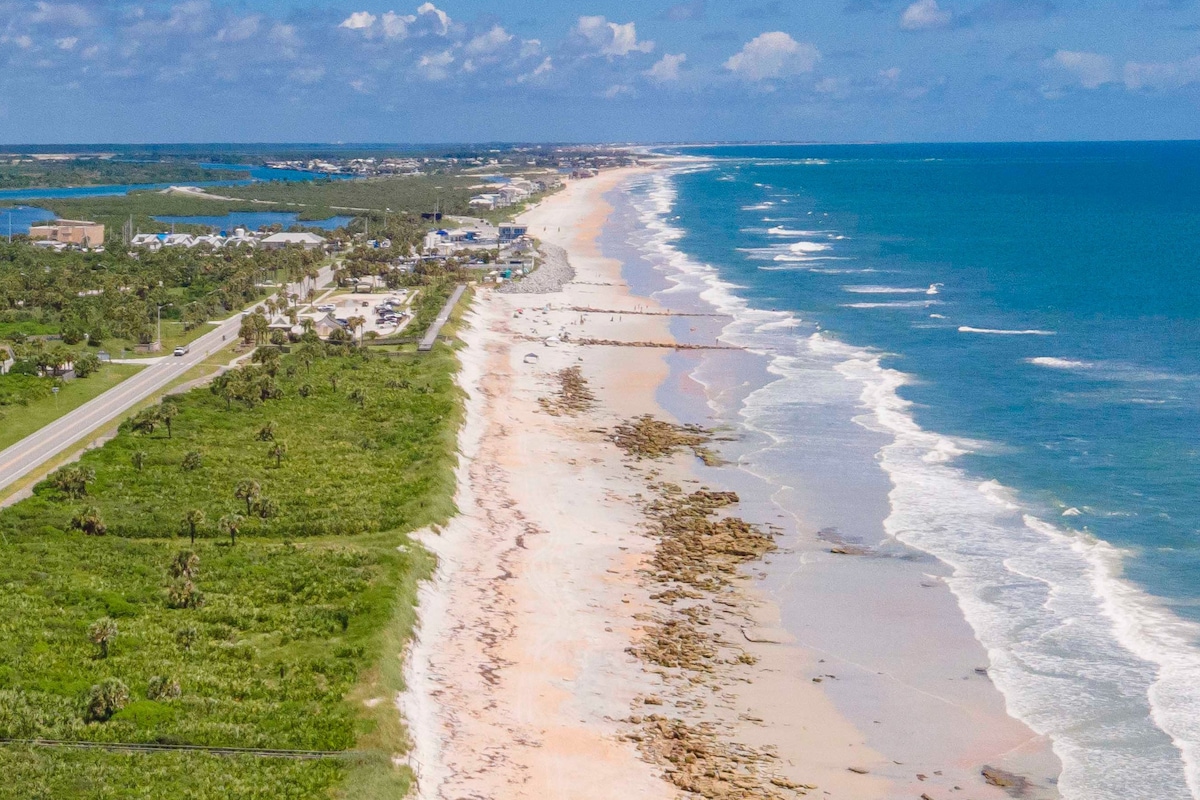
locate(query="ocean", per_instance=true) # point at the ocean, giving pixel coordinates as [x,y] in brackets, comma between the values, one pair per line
[989,354]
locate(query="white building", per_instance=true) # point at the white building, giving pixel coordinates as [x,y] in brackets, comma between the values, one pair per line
[309,241]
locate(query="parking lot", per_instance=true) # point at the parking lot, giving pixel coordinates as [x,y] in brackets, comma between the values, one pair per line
[372,308]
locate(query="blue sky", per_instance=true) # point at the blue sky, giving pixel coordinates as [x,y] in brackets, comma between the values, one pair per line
[597,70]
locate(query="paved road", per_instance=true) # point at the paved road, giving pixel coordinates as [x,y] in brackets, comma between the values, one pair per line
[37,448]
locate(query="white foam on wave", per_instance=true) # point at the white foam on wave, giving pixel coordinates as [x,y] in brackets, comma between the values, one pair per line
[1005,332]
[808,247]
[1058,363]
[895,304]
[1080,654]
[782,230]
[859,289]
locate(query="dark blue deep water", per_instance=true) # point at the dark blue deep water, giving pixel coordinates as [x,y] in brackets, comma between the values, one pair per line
[1024,321]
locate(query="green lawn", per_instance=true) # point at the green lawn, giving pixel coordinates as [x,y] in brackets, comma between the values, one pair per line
[173,335]
[302,619]
[17,422]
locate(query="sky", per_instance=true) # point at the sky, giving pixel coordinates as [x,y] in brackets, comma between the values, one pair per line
[597,70]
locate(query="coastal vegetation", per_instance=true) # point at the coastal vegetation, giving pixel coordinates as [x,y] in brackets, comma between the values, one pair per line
[55,173]
[143,206]
[98,297]
[232,570]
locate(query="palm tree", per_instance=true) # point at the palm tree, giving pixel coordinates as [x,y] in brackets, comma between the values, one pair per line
[278,452]
[166,413]
[231,524]
[89,521]
[192,520]
[102,633]
[248,490]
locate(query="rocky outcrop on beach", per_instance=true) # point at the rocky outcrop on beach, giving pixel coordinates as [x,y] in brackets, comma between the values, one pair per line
[699,552]
[554,271]
[648,437]
[571,395]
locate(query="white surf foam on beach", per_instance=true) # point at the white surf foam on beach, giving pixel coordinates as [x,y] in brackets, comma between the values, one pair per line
[1080,654]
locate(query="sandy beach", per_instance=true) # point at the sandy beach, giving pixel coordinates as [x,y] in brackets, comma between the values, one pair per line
[538,669]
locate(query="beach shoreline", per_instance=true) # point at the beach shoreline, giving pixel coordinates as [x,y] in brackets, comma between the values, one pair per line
[521,681]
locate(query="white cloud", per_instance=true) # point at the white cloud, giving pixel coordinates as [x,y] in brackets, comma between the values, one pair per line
[544,68]
[395,26]
[889,75]
[490,42]
[530,47]
[773,55]
[434,66]
[359,20]
[667,68]
[67,42]
[610,38]
[1092,70]
[442,17]
[1162,75]
[613,92]
[239,29]
[923,15]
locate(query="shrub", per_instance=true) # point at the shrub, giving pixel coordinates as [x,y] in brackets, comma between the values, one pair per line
[192,460]
[73,480]
[89,521]
[163,687]
[184,594]
[186,564]
[186,636]
[105,699]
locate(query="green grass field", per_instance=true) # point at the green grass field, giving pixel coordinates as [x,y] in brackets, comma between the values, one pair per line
[173,335]
[17,422]
[302,619]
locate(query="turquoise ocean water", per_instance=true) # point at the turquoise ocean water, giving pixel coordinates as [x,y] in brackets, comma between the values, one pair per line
[1014,333]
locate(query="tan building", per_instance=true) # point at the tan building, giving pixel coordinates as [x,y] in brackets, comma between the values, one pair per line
[70,231]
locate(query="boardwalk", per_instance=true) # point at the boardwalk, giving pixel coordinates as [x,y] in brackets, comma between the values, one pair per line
[442,317]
